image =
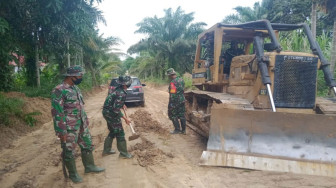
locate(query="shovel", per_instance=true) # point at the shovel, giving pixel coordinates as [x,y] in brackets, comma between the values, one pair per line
[134,135]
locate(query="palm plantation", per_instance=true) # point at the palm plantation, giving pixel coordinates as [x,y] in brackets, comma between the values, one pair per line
[170,43]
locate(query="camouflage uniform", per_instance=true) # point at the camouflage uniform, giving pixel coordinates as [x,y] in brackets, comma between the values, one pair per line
[113,104]
[70,120]
[176,105]
[112,113]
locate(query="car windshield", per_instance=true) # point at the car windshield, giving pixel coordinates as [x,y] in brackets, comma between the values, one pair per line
[114,82]
[135,82]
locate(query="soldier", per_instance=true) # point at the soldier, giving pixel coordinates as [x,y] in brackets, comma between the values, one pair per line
[71,123]
[176,105]
[112,114]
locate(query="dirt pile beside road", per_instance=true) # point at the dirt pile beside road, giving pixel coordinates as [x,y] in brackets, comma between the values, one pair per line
[148,154]
[19,127]
[34,104]
[145,123]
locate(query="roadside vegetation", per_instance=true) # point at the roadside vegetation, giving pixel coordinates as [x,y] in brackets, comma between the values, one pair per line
[11,108]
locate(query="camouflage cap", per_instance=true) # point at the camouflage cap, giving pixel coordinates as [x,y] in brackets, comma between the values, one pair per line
[124,80]
[74,71]
[170,71]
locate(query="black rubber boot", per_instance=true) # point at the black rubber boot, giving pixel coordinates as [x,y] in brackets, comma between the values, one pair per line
[108,146]
[177,129]
[73,175]
[183,125]
[88,163]
[122,147]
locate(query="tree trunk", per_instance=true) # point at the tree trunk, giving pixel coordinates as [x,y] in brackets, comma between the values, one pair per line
[68,50]
[333,50]
[93,74]
[81,63]
[313,19]
[37,64]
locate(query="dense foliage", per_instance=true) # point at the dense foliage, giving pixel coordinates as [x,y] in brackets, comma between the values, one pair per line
[39,39]
[171,42]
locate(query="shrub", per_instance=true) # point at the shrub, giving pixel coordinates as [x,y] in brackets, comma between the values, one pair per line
[9,107]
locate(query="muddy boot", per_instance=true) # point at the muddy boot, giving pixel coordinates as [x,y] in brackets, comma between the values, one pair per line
[183,125]
[88,163]
[176,126]
[108,146]
[122,147]
[73,175]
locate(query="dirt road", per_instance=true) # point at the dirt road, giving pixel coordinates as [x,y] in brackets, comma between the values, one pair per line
[161,160]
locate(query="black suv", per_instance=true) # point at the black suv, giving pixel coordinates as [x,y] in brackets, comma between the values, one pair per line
[135,92]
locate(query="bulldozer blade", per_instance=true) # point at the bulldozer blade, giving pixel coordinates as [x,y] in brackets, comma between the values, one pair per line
[272,141]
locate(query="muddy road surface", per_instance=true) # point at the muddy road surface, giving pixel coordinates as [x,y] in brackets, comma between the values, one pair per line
[160,159]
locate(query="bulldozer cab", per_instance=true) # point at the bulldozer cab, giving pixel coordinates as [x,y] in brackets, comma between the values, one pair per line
[248,60]
[257,104]
[225,43]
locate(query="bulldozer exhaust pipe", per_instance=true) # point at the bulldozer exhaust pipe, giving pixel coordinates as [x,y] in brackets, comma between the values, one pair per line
[270,95]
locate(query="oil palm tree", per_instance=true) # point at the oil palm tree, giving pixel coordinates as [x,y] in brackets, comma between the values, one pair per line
[246,14]
[169,38]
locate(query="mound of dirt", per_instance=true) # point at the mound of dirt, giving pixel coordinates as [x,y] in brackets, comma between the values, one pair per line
[147,154]
[18,127]
[145,123]
[34,104]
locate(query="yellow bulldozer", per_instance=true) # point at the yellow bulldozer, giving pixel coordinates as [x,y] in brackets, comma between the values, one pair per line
[257,104]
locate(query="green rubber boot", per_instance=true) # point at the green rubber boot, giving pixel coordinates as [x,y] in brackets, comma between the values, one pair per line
[183,125]
[108,146]
[88,163]
[122,147]
[73,175]
[177,129]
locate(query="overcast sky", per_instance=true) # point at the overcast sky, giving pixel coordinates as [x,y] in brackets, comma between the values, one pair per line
[123,15]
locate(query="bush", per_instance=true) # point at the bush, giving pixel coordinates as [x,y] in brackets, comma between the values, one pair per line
[187,82]
[9,107]
[12,107]
[29,118]
[86,84]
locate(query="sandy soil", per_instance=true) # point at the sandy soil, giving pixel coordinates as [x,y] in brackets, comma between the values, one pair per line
[160,159]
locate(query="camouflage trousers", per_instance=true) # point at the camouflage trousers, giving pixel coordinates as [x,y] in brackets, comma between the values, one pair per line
[115,127]
[176,111]
[82,137]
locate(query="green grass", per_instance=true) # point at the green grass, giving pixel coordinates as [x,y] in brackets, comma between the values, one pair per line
[12,108]
[9,107]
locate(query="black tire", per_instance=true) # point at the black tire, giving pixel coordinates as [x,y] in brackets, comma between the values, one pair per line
[142,104]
